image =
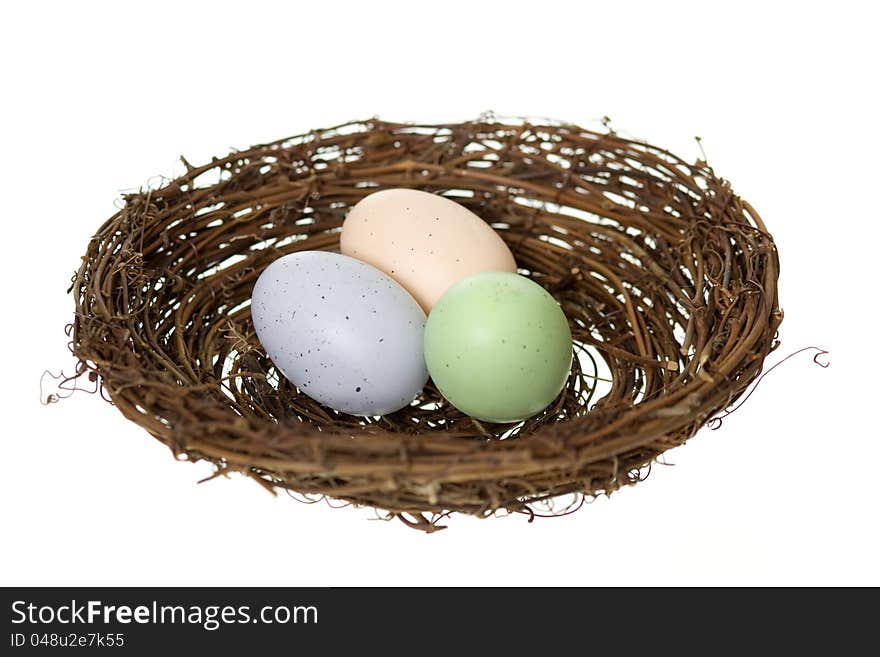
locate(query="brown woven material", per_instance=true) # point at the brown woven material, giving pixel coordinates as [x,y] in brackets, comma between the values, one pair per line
[669,281]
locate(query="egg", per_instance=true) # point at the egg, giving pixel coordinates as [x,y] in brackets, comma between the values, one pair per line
[498,347]
[425,242]
[341,331]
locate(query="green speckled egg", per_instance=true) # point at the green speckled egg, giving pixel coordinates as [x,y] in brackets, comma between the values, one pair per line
[498,347]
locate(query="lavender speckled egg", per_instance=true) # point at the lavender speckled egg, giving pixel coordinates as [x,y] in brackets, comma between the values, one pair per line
[341,331]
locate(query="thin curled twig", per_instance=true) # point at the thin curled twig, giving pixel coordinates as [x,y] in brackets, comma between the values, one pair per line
[717,421]
[66,385]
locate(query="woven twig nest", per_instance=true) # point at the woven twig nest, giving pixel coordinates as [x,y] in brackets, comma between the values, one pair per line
[668,280]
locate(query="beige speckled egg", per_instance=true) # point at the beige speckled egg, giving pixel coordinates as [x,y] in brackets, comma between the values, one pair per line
[425,242]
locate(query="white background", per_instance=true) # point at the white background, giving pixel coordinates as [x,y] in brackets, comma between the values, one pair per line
[96,99]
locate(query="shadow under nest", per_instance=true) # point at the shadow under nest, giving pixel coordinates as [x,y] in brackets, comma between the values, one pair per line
[668,279]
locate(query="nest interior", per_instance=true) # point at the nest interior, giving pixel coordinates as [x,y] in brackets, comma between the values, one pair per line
[668,279]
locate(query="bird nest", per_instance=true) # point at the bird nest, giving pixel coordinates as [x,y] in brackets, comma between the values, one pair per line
[668,280]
